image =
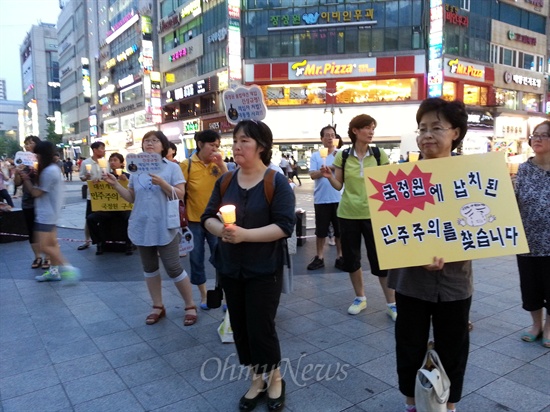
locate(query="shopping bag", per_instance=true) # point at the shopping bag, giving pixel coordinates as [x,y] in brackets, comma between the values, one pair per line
[173,211]
[432,386]
[224,330]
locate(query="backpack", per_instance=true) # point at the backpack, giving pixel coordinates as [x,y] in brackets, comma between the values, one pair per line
[269,184]
[345,154]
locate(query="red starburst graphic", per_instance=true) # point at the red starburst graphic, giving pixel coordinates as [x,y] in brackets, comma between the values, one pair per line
[402,192]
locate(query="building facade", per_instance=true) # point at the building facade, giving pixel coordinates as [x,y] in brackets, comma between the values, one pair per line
[3,92]
[329,61]
[77,32]
[195,51]
[128,81]
[40,81]
[9,123]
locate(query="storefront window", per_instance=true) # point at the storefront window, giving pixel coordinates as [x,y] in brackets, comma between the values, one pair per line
[506,98]
[531,102]
[295,94]
[475,95]
[377,91]
[449,91]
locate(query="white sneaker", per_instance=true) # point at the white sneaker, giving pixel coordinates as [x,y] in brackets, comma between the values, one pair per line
[48,277]
[357,306]
[331,241]
[391,310]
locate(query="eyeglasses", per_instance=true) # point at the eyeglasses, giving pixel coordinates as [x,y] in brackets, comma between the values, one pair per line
[542,136]
[437,131]
[153,141]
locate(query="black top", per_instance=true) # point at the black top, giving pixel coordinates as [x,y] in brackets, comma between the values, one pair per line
[252,259]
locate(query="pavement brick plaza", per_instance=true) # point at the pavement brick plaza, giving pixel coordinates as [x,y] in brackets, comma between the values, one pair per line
[86,347]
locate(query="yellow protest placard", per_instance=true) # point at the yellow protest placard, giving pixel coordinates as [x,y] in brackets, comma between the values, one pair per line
[106,199]
[457,208]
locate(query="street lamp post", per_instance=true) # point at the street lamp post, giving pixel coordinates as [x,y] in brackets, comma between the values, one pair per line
[332,111]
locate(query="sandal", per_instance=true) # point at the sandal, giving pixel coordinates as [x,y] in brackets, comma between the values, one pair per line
[36,263]
[46,264]
[155,317]
[189,319]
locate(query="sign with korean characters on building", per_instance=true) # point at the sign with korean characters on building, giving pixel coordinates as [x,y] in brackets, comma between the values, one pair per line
[458,208]
[106,199]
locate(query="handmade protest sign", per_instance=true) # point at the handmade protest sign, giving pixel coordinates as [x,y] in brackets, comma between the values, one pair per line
[105,198]
[244,103]
[25,158]
[457,208]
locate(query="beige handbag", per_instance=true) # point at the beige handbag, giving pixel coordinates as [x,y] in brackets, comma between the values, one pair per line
[432,386]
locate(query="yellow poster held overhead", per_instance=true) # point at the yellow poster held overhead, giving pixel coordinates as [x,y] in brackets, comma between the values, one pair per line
[106,199]
[457,208]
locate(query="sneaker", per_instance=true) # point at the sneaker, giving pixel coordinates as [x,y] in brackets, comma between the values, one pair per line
[316,263]
[339,264]
[48,277]
[331,241]
[70,274]
[391,310]
[357,306]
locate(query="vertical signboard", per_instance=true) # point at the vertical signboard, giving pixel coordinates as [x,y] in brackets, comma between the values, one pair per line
[234,41]
[435,54]
[86,80]
[156,102]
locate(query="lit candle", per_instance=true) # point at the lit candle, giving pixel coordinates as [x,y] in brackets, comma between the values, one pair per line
[102,163]
[118,172]
[323,152]
[336,142]
[228,214]
[35,165]
[88,168]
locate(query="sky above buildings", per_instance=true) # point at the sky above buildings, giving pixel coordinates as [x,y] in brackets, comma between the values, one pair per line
[16,19]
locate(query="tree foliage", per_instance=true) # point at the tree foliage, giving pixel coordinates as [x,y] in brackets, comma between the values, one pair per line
[8,146]
[52,136]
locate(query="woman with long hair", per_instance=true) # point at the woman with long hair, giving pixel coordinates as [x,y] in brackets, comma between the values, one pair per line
[48,195]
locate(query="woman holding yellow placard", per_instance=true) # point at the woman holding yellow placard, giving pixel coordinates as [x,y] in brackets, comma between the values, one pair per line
[532,193]
[440,294]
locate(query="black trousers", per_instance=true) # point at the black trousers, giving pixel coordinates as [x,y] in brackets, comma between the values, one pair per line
[100,224]
[451,339]
[534,282]
[252,305]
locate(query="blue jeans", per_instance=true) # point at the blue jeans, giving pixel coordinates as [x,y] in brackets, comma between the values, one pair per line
[196,257]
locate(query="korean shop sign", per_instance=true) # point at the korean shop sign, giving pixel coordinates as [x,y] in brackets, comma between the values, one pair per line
[457,208]
[326,17]
[322,69]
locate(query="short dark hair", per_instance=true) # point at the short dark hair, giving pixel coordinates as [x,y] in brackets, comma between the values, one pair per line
[261,133]
[206,136]
[97,145]
[174,147]
[118,156]
[453,111]
[33,138]
[358,122]
[326,128]
[163,139]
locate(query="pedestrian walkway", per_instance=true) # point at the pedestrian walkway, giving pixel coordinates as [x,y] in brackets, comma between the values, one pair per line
[86,347]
